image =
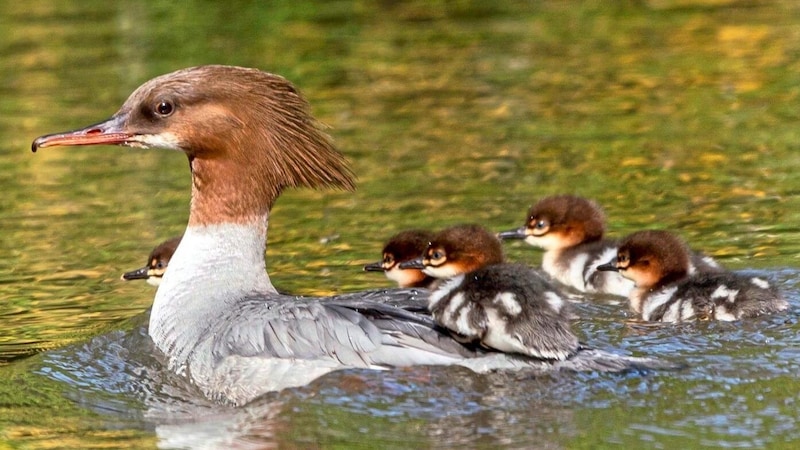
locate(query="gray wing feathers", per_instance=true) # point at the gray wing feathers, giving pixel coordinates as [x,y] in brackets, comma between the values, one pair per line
[301,331]
[288,342]
[353,333]
[415,299]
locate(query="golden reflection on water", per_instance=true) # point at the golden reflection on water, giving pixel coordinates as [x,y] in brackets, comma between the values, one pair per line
[672,114]
[447,119]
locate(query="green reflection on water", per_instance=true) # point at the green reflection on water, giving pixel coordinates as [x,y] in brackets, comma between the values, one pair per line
[672,114]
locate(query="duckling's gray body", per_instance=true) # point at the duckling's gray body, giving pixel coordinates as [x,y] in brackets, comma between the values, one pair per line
[508,307]
[670,289]
[712,296]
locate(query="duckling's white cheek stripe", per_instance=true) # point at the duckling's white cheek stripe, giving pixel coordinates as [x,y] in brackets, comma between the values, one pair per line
[440,272]
[533,240]
[163,140]
[549,241]
[758,282]
[400,276]
[394,274]
[606,282]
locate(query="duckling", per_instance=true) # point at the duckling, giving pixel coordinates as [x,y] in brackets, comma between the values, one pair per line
[402,247]
[157,263]
[507,307]
[570,229]
[658,262]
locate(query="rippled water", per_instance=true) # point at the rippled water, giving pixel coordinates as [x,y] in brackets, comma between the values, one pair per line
[670,113]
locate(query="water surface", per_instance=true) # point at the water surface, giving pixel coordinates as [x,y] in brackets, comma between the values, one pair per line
[672,114]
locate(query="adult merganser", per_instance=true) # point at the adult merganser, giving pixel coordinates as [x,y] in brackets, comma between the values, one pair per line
[216,316]
[666,291]
[404,246]
[156,264]
[570,229]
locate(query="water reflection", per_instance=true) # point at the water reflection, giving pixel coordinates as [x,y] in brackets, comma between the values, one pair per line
[671,114]
[117,376]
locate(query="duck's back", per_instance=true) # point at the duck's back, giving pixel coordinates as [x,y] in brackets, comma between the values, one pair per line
[263,344]
[715,295]
[702,263]
[507,307]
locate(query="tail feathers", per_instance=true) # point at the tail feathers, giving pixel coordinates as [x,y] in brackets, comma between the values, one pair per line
[590,359]
[584,360]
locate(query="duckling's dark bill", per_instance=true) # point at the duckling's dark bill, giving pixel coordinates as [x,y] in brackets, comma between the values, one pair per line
[374,267]
[519,233]
[138,274]
[609,266]
[108,132]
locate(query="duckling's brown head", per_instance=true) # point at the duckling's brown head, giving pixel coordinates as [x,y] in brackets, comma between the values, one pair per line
[461,249]
[562,221]
[651,258]
[157,263]
[405,246]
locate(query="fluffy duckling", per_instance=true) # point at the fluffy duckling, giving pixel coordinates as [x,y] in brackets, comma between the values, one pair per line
[157,263]
[404,246]
[658,262]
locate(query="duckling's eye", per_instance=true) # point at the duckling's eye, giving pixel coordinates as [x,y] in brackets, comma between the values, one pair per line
[538,227]
[388,260]
[164,108]
[538,224]
[160,265]
[622,258]
[436,257]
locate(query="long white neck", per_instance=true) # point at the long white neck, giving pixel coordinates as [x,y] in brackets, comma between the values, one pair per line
[213,267]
